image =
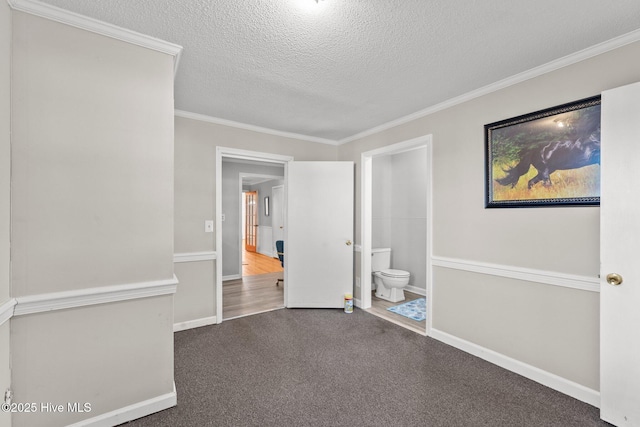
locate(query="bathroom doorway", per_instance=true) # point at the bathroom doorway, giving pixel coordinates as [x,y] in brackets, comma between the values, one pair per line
[396,214]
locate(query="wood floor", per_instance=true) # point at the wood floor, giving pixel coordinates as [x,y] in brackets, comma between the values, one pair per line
[251,295]
[255,263]
[256,292]
[379,308]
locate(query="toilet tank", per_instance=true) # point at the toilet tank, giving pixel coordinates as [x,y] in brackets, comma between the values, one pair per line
[380,259]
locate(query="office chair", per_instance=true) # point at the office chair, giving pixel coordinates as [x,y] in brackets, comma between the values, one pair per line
[280,251]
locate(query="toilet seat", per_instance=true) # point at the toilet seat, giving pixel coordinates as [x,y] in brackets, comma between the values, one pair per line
[394,273]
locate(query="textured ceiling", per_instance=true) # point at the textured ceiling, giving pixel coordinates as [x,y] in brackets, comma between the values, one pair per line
[341,67]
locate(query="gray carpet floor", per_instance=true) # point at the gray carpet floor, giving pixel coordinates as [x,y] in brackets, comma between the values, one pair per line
[301,367]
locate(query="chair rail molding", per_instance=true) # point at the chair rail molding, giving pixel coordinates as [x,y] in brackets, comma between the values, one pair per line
[585,283]
[195,256]
[90,296]
[6,310]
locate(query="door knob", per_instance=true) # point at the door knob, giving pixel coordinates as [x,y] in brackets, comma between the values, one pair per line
[614,279]
[348,243]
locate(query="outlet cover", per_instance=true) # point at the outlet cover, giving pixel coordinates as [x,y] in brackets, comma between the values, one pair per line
[208,226]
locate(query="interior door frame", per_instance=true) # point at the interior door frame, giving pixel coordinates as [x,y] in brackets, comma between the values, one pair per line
[366,221]
[235,153]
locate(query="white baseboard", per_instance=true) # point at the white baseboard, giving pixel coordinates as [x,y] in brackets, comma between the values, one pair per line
[548,379]
[231,277]
[131,412]
[257,312]
[190,324]
[416,290]
[357,302]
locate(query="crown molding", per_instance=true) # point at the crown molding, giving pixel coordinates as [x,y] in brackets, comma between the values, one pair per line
[565,61]
[225,122]
[73,19]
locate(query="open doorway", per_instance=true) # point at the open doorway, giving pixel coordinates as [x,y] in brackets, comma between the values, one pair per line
[396,234]
[258,224]
[249,270]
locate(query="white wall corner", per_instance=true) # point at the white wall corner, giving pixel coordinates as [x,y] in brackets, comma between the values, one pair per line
[7,310]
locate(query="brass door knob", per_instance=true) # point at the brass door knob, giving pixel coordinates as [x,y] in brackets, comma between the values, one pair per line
[348,243]
[614,279]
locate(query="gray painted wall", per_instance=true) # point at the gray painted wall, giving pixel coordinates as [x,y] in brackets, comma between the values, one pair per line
[231,233]
[399,211]
[552,328]
[195,169]
[5,185]
[264,189]
[92,206]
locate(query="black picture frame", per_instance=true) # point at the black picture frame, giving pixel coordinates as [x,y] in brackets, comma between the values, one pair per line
[563,142]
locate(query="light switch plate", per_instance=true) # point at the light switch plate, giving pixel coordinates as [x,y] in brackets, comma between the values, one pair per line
[208,226]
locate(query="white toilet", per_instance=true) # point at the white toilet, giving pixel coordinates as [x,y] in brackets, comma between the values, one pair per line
[389,283]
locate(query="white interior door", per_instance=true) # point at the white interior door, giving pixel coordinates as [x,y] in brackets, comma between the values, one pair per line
[277,212]
[619,249]
[318,248]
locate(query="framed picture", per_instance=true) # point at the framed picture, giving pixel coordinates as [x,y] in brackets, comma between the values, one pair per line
[547,158]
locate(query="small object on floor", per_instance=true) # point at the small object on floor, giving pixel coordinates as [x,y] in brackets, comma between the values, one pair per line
[348,303]
[416,309]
